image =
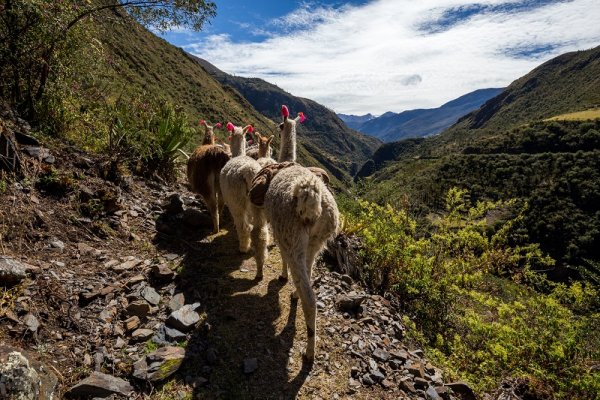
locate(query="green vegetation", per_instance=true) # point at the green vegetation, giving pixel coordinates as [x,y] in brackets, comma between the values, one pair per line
[552,166]
[474,299]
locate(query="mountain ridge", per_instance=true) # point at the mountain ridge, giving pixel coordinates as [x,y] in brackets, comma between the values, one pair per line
[391,126]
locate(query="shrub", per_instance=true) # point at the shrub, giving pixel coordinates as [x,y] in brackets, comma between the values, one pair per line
[469,286]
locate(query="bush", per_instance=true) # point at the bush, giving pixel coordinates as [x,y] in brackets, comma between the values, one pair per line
[469,286]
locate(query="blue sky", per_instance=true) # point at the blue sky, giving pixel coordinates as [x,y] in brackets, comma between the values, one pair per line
[390,55]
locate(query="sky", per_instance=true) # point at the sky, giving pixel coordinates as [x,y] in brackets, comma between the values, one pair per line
[359,57]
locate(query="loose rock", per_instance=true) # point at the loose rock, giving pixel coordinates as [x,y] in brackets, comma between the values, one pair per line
[11,271]
[184,319]
[101,385]
[159,364]
[151,295]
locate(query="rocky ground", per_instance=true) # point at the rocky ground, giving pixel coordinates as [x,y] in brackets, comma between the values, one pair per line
[118,289]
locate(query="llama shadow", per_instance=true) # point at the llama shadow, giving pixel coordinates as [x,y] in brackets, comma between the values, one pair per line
[237,352]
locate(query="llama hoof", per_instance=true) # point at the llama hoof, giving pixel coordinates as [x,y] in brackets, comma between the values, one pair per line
[258,277]
[282,278]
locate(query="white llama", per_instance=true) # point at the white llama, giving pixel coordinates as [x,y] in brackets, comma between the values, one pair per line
[303,215]
[203,169]
[236,179]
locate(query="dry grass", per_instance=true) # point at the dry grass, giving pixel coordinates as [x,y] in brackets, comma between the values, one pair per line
[577,116]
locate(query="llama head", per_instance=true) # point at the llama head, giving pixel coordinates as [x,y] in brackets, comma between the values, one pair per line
[288,135]
[209,135]
[264,144]
[237,138]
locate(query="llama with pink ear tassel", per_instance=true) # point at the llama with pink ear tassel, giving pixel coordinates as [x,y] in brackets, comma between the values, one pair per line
[203,169]
[236,179]
[303,215]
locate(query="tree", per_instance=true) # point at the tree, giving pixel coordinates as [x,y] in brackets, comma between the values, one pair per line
[35,35]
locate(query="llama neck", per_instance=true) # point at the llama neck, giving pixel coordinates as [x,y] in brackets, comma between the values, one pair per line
[238,146]
[287,148]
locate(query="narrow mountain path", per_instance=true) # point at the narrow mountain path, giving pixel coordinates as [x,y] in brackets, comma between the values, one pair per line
[126,293]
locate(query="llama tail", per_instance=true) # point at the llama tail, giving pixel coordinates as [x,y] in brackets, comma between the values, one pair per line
[308,194]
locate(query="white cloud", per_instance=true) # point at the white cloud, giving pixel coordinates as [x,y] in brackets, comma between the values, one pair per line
[374,58]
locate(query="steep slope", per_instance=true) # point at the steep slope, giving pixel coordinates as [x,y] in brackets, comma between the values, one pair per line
[324,134]
[142,62]
[503,151]
[392,127]
[567,83]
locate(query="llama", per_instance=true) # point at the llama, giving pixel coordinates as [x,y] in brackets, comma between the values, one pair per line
[236,179]
[303,215]
[263,147]
[203,168]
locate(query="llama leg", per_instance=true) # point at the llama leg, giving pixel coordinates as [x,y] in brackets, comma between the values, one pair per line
[284,271]
[211,204]
[260,237]
[309,303]
[242,227]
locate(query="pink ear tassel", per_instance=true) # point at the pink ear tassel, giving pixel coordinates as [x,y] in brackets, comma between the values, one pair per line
[250,141]
[203,122]
[230,127]
[250,129]
[302,117]
[218,125]
[284,111]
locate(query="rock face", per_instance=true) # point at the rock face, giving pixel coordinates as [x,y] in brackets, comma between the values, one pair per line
[11,271]
[101,385]
[159,364]
[24,378]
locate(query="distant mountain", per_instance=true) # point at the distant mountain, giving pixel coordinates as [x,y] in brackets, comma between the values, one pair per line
[391,127]
[341,149]
[512,148]
[355,121]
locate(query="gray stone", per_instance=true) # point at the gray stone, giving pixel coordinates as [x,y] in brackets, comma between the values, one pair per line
[132,323]
[347,279]
[11,271]
[184,319]
[142,334]
[250,365]
[151,295]
[159,364]
[176,302]
[138,308]
[162,272]
[56,244]
[401,355]
[101,385]
[22,377]
[31,322]
[377,376]
[432,394]
[367,380]
[347,303]
[127,265]
[381,355]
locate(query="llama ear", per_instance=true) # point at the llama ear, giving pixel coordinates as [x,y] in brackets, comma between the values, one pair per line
[248,129]
[230,127]
[300,118]
[281,126]
[203,122]
[218,126]
[285,113]
[270,139]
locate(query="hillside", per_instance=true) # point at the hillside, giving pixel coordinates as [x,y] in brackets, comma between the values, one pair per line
[146,63]
[550,165]
[324,134]
[391,127]
[567,83]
